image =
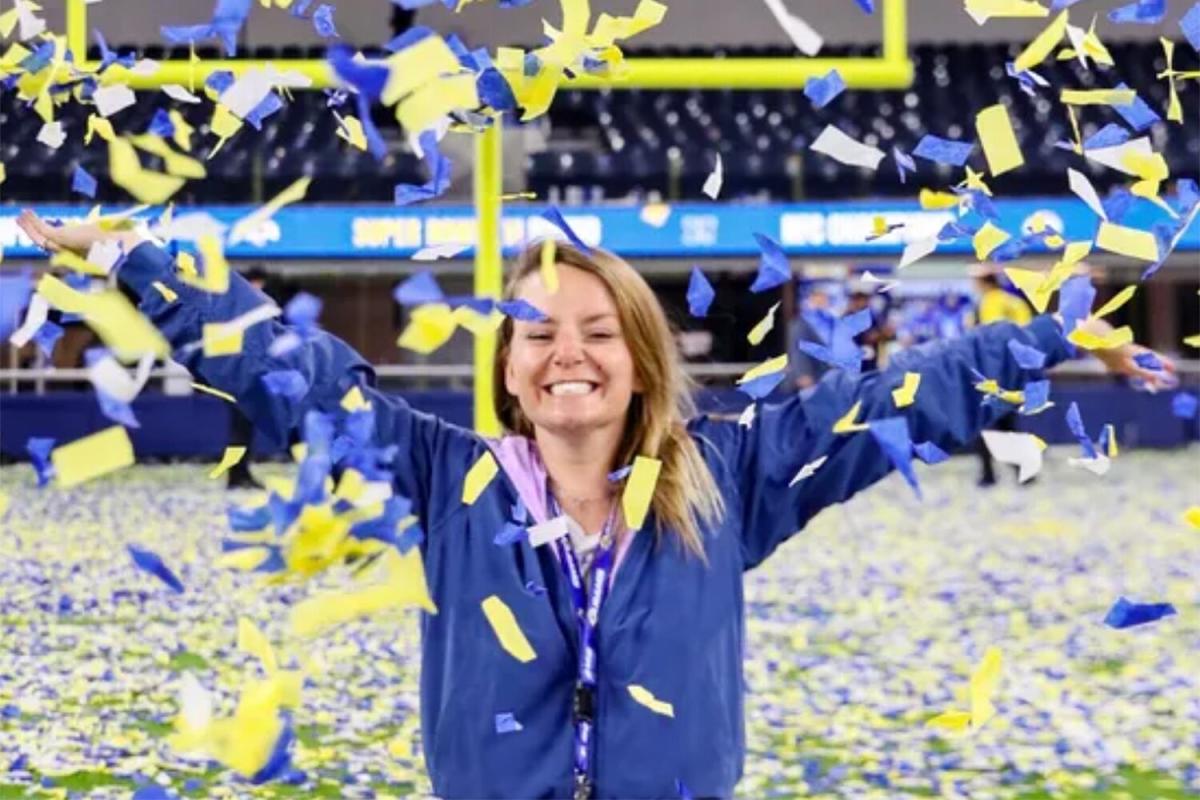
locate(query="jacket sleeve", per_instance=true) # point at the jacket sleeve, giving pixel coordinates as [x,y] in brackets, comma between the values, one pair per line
[329,366]
[762,459]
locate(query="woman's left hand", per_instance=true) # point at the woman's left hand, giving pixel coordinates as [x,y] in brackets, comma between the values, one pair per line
[1120,360]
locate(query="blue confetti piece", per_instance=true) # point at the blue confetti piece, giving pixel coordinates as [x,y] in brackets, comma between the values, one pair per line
[1141,12]
[821,91]
[38,448]
[1075,300]
[930,453]
[280,758]
[763,385]
[1184,405]
[116,410]
[773,267]
[83,183]
[621,474]
[507,723]
[150,562]
[408,38]
[322,20]
[1189,23]
[700,293]
[1075,424]
[46,337]
[555,218]
[1148,361]
[219,81]
[302,311]
[369,79]
[439,175]
[1137,115]
[1117,203]
[511,533]
[300,8]
[943,151]
[286,383]
[419,289]
[1110,135]
[160,124]
[1037,396]
[152,791]
[186,34]
[904,164]
[535,589]
[522,310]
[893,438]
[266,107]
[494,90]
[1026,357]
[868,6]
[1125,614]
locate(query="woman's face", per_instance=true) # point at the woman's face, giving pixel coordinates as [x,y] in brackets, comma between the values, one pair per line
[574,372]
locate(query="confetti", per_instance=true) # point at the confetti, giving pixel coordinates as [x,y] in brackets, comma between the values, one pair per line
[504,625]
[773,267]
[92,456]
[821,91]
[52,135]
[763,326]
[1127,241]
[1140,12]
[479,476]
[712,184]
[943,151]
[1082,188]
[1189,23]
[1023,450]
[646,698]
[700,293]
[639,491]
[846,423]
[808,470]
[906,393]
[1042,45]
[806,40]
[150,562]
[1098,97]
[999,143]
[987,239]
[232,455]
[840,147]
[1125,614]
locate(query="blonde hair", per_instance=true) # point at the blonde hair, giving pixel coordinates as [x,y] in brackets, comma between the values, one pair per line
[686,494]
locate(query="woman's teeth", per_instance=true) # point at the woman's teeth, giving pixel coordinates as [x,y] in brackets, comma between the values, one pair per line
[571,388]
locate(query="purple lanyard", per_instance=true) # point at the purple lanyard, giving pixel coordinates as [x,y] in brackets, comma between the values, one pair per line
[586,602]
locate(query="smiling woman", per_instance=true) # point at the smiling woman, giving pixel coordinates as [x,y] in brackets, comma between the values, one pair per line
[598,383]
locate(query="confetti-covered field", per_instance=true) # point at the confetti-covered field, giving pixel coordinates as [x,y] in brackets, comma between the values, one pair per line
[861,629]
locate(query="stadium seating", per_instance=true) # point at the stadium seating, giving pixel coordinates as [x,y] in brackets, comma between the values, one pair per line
[620,144]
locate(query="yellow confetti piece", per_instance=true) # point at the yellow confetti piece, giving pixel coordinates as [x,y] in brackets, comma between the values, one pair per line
[1042,45]
[1093,47]
[182,135]
[846,423]
[221,339]
[1129,242]
[224,123]
[1193,341]
[1098,97]
[252,641]
[983,686]
[983,9]
[645,697]
[987,239]
[936,201]
[548,268]
[165,291]
[147,186]
[403,586]
[354,400]
[639,491]
[767,367]
[1191,517]
[1174,107]
[246,226]
[951,721]
[186,263]
[122,328]
[476,323]
[999,143]
[429,327]
[177,164]
[504,625]
[417,65]
[245,559]
[215,279]
[73,261]
[763,326]
[92,456]
[479,476]
[1119,299]
[1090,341]
[907,392]
[424,107]
[97,124]
[214,392]
[351,129]
[232,455]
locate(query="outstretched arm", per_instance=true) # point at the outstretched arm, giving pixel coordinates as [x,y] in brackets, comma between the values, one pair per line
[948,411]
[328,366]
